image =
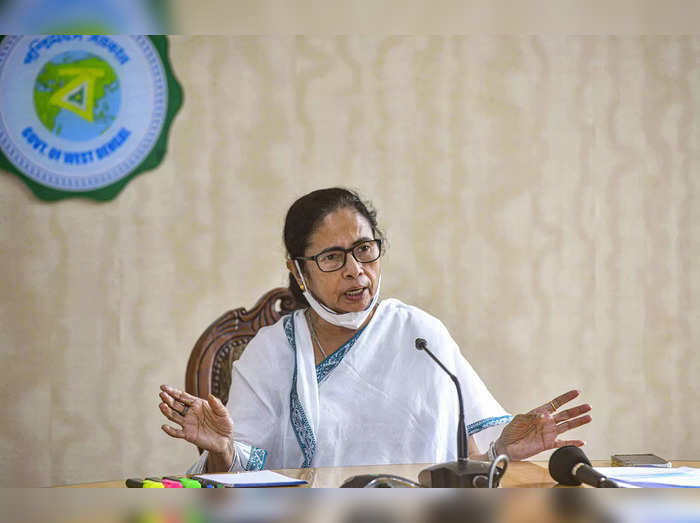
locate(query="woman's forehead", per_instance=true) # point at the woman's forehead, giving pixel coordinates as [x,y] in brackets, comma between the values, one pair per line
[340,228]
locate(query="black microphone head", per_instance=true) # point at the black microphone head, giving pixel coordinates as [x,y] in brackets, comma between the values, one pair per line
[421,343]
[562,461]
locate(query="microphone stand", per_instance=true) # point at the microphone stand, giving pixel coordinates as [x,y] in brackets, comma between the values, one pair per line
[463,473]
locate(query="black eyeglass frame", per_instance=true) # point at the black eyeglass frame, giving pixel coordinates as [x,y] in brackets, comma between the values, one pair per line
[351,250]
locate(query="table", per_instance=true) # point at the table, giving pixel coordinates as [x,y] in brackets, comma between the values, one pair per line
[520,474]
[508,505]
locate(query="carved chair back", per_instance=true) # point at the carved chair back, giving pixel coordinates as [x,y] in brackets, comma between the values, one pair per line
[209,366]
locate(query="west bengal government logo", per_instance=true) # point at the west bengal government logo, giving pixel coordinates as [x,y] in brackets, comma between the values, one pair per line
[80,115]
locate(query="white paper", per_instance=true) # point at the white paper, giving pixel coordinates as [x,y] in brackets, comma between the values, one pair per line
[654,476]
[262,478]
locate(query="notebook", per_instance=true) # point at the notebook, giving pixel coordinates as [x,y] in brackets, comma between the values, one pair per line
[263,478]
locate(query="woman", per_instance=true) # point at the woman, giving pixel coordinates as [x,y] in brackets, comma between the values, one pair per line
[340,383]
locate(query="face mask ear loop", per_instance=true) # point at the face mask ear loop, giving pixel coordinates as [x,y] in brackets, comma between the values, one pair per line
[307,292]
[303,283]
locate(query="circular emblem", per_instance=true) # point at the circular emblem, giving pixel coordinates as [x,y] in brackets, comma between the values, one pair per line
[82,114]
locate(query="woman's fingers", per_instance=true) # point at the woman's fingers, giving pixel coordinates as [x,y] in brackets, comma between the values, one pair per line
[571,413]
[216,405]
[172,414]
[171,402]
[179,395]
[178,401]
[572,424]
[552,406]
[175,433]
[563,399]
[174,404]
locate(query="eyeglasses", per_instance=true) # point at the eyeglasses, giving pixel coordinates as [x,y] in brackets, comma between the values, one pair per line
[334,259]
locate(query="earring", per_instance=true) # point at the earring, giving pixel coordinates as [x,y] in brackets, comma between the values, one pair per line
[301,286]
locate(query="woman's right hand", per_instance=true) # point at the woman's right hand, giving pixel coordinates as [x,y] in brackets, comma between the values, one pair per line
[206,424]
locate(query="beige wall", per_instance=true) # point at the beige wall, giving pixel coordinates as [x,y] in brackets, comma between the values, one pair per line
[541,197]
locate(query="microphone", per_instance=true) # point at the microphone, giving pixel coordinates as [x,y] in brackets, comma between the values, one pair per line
[462,440]
[570,466]
[463,472]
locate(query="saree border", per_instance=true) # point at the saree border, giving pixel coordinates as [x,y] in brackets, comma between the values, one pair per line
[327,366]
[300,423]
[257,459]
[485,423]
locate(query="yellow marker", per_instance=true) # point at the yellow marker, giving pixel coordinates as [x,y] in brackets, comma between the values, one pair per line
[147,483]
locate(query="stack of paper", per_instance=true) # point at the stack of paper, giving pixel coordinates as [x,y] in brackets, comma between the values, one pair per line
[682,477]
[263,478]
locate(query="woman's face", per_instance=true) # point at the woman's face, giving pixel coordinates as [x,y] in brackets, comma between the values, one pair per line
[338,289]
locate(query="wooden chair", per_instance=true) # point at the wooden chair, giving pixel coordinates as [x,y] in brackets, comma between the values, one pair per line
[209,366]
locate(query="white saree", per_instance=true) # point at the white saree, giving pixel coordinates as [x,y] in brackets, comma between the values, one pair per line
[376,400]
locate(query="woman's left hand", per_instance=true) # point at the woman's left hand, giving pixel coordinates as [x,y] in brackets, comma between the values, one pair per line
[539,430]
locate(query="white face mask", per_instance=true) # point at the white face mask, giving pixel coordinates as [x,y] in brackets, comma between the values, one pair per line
[349,320]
